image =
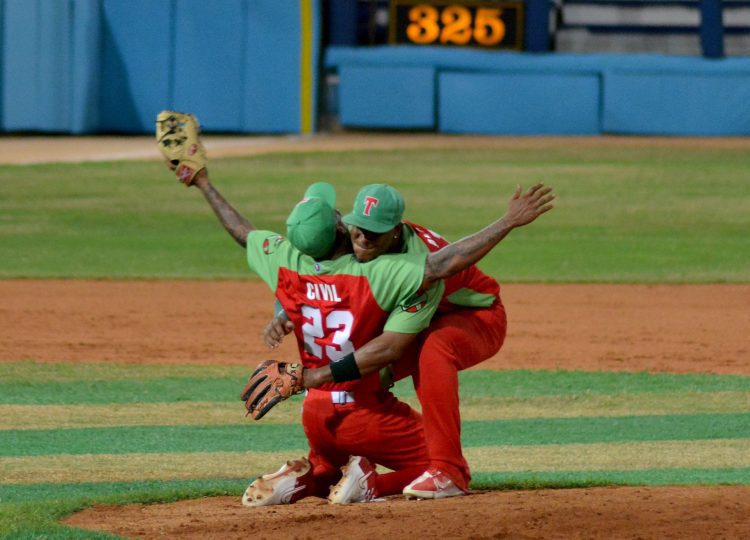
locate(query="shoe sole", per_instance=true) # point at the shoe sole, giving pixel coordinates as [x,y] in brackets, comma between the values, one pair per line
[410,495]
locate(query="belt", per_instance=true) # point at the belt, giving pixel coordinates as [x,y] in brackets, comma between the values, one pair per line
[338,397]
[341,398]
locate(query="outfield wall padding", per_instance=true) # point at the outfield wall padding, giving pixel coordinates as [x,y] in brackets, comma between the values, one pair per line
[135,84]
[43,87]
[518,103]
[508,93]
[83,66]
[690,103]
[397,97]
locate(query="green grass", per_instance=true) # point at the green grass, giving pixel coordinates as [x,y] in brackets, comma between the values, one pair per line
[30,511]
[266,438]
[506,452]
[661,214]
[647,477]
[31,386]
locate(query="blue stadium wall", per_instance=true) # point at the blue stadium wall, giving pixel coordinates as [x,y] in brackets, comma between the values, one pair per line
[251,66]
[503,93]
[89,66]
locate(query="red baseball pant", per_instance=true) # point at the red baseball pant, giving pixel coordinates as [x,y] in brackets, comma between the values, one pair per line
[381,428]
[454,341]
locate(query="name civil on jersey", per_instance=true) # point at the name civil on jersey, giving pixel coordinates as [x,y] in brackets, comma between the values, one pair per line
[323,291]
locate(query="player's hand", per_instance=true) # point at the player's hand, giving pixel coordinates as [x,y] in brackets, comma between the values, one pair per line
[524,208]
[275,330]
[200,176]
[271,383]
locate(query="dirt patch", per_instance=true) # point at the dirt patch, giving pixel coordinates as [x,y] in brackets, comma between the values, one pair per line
[618,512]
[681,329]
[54,149]
[660,328]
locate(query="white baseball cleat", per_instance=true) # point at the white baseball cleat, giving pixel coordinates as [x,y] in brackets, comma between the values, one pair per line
[433,484]
[285,486]
[357,483]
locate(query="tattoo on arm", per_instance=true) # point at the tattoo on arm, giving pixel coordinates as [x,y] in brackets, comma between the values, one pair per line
[237,226]
[459,255]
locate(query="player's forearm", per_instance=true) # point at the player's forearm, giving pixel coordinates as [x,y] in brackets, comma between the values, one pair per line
[237,226]
[461,254]
[376,354]
[523,208]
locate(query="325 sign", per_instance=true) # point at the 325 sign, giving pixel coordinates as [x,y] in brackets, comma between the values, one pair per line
[457,23]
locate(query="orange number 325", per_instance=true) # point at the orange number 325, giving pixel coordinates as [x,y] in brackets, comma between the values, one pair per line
[454,25]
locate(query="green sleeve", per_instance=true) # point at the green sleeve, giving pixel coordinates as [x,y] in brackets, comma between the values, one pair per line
[414,314]
[267,251]
[396,282]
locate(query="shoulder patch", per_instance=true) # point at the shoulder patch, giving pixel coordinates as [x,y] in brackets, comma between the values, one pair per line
[415,303]
[271,243]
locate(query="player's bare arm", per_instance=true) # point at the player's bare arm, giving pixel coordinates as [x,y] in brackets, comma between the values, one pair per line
[523,208]
[235,224]
[377,353]
[178,140]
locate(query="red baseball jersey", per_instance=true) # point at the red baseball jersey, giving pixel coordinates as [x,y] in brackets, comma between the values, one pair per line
[337,306]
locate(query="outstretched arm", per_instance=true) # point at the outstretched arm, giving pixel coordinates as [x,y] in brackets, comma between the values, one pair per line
[234,223]
[523,208]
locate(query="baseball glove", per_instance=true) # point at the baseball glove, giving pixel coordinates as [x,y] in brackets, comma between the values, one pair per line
[178,139]
[270,383]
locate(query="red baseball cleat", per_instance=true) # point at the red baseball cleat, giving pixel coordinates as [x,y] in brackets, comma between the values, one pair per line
[357,483]
[432,484]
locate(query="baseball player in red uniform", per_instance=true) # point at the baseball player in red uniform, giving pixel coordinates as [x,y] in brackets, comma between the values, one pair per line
[470,327]
[337,305]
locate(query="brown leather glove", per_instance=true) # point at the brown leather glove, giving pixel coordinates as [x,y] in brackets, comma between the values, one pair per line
[270,383]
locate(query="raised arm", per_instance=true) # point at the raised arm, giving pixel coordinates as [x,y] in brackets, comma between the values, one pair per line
[523,208]
[178,140]
[234,223]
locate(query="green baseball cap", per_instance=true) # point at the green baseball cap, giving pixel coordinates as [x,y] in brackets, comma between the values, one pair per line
[311,226]
[377,208]
[322,190]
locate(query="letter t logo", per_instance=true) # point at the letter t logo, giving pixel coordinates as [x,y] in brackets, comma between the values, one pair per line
[370,202]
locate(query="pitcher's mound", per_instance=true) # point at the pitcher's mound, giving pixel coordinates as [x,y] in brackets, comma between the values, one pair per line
[616,512]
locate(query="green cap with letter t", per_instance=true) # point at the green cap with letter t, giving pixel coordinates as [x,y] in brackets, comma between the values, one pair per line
[377,208]
[311,227]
